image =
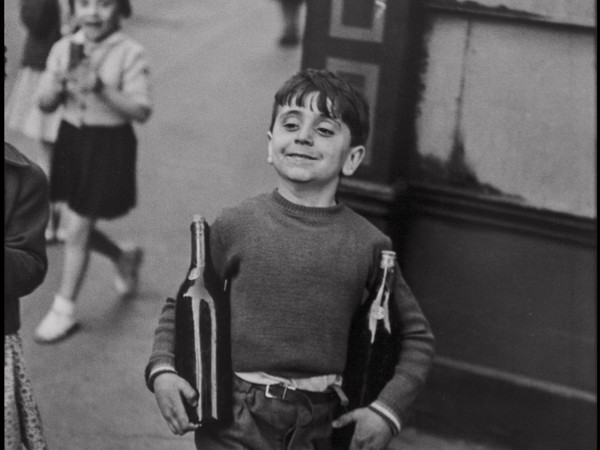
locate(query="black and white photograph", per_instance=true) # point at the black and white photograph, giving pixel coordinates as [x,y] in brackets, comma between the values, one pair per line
[300,225]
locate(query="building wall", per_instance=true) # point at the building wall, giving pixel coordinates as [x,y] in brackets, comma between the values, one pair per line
[510,293]
[518,99]
[482,169]
[499,241]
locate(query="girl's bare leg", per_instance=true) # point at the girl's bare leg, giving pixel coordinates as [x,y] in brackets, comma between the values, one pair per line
[77,254]
[44,159]
[60,320]
[101,243]
[81,238]
[127,261]
[57,228]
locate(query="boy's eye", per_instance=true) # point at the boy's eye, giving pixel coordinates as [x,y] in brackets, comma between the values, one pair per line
[325,131]
[289,125]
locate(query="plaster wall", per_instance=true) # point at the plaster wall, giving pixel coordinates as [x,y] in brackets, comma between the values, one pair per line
[519,100]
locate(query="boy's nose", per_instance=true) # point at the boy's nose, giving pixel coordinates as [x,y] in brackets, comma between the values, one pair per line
[304,136]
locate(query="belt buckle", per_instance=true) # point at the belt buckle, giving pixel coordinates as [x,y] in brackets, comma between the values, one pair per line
[285,389]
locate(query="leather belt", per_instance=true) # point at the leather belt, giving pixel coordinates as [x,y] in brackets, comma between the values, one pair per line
[282,391]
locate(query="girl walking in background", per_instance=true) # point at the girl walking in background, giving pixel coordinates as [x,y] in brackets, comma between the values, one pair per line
[45,22]
[101,76]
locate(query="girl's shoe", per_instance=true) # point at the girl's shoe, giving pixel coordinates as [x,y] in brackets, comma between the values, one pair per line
[58,323]
[128,266]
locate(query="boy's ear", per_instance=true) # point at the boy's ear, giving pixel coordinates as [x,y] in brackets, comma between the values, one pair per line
[353,160]
[269,150]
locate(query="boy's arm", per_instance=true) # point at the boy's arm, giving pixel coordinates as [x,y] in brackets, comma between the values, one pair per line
[414,360]
[161,376]
[163,349]
[377,423]
[162,358]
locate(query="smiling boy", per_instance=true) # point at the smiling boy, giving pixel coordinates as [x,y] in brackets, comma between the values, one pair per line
[309,149]
[297,264]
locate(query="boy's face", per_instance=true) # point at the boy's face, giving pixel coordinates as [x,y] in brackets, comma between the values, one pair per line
[307,147]
[97,18]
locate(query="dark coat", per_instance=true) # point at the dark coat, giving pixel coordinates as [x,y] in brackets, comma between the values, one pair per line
[41,18]
[26,212]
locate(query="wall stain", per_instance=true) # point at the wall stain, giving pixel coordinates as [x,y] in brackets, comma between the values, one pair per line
[455,171]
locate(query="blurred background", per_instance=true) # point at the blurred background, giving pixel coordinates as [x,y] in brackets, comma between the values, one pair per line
[481,166]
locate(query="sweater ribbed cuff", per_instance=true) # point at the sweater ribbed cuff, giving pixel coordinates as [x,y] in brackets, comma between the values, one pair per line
[155,369]
[388,415]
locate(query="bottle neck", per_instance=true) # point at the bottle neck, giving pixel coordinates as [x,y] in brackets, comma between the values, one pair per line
[386,267]
[197,261]
[385,275]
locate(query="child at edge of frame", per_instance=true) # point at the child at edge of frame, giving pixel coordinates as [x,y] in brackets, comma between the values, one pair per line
[297,264]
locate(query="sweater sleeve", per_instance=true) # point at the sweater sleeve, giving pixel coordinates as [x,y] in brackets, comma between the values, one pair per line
[136,77]
[162,358]
[416,352]
[163,348]
[25,261]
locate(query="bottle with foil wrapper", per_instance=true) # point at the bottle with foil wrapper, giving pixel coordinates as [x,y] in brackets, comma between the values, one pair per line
[76,55]
[373,343]
[202,349]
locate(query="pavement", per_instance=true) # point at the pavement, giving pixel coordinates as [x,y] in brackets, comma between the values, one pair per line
[215,68]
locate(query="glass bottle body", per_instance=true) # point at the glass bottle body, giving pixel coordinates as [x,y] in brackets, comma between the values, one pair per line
[372,349]
[201,345]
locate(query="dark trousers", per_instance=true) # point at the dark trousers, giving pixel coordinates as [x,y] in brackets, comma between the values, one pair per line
[294,422]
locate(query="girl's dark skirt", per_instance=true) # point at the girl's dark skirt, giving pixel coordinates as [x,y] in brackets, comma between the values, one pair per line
[94,169]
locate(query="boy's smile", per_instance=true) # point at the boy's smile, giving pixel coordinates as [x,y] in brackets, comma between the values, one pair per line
[309,149]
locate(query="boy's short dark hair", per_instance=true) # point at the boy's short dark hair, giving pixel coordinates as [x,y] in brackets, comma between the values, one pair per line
[124,7]
[347,104]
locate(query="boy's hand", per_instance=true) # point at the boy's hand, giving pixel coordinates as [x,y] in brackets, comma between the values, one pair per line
[371,433]
[170,391]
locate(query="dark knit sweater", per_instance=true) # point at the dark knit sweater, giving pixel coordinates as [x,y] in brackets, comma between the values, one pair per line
[297,275]
[26,211]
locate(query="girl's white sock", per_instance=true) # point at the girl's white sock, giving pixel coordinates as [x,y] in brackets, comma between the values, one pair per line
[63,305]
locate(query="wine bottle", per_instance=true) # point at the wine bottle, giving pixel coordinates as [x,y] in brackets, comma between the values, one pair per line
[373,347]
[202,355]
[76,55]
